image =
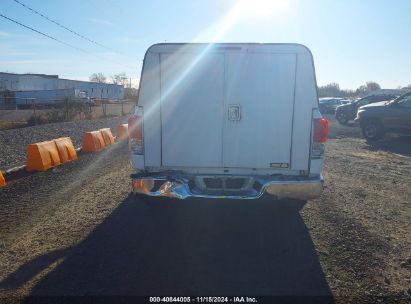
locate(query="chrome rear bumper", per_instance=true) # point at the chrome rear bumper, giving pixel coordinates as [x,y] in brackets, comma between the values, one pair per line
[253,187]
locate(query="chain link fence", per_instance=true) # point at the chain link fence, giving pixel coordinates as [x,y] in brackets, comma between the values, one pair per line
[15,112]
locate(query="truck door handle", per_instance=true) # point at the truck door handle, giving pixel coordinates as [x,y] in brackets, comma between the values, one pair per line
[234,112]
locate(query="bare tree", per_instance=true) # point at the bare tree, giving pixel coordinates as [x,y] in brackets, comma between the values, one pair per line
[98,77]
[120,78]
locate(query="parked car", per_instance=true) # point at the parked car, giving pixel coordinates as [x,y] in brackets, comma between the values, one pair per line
[392,116]
[345,113]
[328,105]
[228,121]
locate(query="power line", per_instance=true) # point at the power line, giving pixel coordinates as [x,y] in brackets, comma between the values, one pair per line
[38,32]
[68,29]
[60,41]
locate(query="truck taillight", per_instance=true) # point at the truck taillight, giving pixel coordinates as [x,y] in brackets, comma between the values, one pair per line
[135,129]
[320,130]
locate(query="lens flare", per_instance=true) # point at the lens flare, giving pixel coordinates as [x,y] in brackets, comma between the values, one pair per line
[241,9]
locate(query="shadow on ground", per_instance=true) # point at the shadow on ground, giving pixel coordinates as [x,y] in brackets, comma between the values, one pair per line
[26,272]
[192,247]
[394,144]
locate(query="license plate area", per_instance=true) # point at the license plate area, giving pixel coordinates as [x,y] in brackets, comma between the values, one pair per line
[223,183]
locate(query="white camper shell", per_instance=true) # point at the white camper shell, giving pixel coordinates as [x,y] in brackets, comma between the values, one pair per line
[228,120]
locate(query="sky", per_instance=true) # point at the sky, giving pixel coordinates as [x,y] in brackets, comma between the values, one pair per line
[352,41]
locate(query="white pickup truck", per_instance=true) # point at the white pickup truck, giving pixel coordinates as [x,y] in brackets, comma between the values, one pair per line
[229,120]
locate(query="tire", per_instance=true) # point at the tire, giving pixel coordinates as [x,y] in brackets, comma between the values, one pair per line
[372,130]
[342,118]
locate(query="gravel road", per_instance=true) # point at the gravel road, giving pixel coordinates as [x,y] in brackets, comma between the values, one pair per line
[76,230]
[13,143]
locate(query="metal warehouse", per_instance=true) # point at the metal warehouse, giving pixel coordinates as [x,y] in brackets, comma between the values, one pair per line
[38,82]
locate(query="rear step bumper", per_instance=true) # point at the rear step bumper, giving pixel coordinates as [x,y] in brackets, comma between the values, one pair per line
[222,186]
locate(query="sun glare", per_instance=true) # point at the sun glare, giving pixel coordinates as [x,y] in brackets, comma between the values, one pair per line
[241,9]
[260,7]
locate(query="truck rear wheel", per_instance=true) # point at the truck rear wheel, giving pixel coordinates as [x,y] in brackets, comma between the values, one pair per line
[372,130]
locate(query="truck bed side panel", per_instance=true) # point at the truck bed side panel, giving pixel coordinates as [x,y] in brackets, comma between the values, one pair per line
[150,100]
[305,101]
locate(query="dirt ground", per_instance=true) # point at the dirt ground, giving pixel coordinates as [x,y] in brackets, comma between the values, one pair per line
[361,225]
[76,230]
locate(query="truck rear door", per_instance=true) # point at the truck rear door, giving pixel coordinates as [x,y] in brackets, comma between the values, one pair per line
[230,109]
[192,87]
[258,116]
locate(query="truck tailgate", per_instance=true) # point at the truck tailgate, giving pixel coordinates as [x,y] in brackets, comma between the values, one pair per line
[227,109]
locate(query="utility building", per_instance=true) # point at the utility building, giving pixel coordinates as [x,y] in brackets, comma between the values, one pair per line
[39,82]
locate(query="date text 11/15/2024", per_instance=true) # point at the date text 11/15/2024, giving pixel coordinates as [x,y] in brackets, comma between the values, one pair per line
[203,300]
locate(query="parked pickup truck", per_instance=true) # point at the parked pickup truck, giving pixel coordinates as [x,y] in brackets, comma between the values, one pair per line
[392,116]
[228,121]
